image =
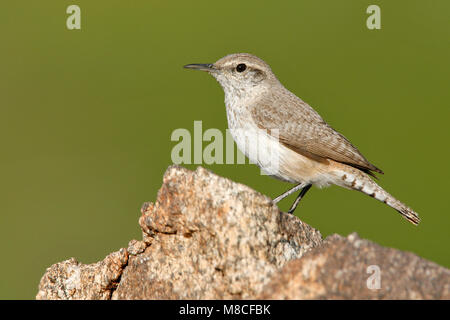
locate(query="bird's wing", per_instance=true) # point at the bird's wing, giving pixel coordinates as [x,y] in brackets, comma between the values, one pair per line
[305,132]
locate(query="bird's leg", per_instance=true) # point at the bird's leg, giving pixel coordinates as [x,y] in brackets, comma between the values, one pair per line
[299,197]
[289,192]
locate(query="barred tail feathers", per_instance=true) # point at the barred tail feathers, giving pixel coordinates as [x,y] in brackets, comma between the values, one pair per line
[352,178]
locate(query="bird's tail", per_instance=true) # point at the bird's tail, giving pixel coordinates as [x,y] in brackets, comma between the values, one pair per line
[351,178]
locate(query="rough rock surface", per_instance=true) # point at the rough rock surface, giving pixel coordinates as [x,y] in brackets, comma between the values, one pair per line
[345,268]
[73,280]
[205,246]
[207,237]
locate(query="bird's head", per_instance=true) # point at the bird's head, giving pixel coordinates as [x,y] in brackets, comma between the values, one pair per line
[239,72]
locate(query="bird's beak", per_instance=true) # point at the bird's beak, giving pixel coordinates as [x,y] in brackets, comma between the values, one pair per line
[204,67]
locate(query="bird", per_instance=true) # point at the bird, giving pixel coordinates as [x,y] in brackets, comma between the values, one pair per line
[287,138]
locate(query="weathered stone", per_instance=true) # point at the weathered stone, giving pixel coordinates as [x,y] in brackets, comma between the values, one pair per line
[206,237]
[135,247]
[339,270]
[211,238]
[73,280]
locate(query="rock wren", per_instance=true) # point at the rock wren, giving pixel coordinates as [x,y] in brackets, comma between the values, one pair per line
[309,151]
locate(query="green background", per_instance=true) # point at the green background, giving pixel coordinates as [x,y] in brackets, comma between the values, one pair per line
[86,115]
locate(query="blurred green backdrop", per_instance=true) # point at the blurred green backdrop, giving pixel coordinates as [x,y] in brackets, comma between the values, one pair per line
[86,115]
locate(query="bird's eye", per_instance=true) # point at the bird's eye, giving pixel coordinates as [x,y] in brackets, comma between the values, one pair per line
[241,67]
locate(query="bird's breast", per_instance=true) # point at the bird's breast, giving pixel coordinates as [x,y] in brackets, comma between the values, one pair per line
[266,151]
[257,145]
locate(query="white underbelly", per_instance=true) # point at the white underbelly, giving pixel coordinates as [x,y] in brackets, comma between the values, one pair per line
[270,155]
[276,160]
[259,148]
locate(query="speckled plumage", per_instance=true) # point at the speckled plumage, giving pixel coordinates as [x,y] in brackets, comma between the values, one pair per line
[263,115]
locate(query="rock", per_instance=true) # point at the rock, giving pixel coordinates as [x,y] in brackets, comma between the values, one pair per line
[345,268]
[72,280]
[207,237]
[211,238]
